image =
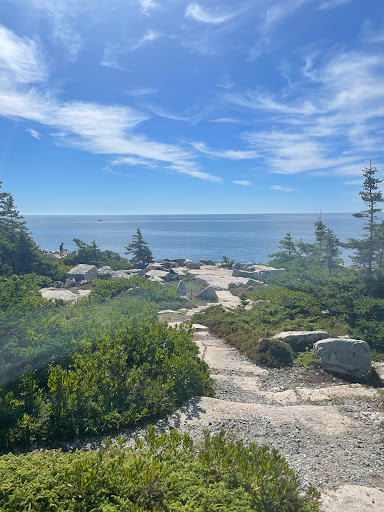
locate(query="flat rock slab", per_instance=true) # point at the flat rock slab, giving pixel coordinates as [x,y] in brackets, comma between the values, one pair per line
[66,295]
[347,497]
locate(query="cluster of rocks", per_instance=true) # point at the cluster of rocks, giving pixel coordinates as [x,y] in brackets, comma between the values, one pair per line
[342,355]
[257,272]
[52,255]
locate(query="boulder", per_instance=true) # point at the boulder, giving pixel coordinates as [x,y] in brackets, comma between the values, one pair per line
[301,339]
[62,294]
[156,275]
[181,288]
[271,272]
[83,272]
[192,265]
[234,285]
[104,272]
[245,273]
[206,262]
[244,266]
[208,294]
[344,356]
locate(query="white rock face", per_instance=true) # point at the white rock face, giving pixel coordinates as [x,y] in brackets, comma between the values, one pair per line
[344,356]
[62,294]
[83,272]
[301,339]
[181,288]
[208,294]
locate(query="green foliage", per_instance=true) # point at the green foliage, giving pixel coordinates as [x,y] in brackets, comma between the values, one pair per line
[142,255]
[164,473]
[91,254]
[244,300]
[141,371]
[277,355]
[19,294]
[138,287]
[307,359]
[367,248]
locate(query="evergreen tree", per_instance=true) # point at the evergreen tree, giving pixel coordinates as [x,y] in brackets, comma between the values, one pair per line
[142,255]
[331,246]
[366,249]
[287,244]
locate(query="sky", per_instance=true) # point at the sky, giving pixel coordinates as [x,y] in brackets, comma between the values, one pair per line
[176,107]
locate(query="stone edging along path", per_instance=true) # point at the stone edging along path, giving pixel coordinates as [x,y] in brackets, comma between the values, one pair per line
[329,431]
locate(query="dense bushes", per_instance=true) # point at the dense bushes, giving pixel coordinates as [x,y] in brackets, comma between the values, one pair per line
[164,474]
[91,254]
[276,355]
[115,380]
[139,287]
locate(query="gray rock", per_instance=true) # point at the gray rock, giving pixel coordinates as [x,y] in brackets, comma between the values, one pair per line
[192,265]
[344,356]
[301,339]
[181,288]
[83,272]
[234,285]
[255,283]
[245,273]
[208,294]
[206,262]
[156,275]
[60,294]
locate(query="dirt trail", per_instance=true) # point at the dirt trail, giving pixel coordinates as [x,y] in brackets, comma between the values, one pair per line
[329,431]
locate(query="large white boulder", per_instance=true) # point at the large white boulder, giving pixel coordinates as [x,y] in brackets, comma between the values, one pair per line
[83,272]
[301,339]
[344,356]
[63,294]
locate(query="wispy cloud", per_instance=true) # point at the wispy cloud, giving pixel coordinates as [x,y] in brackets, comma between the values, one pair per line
[21,60]
[61,15]
[147,5]
[149,36]
[244,183]
[230,154]
[225,83]
[281,189]
[108,170]
[92,127]
[34,133]
[141,92]
[160,112]
[198,13]
[331,4]
[369,35]
[113,51]
[353,182]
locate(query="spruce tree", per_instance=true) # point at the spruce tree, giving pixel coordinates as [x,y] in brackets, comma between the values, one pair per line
[142,255]
[366,249]
[287,244]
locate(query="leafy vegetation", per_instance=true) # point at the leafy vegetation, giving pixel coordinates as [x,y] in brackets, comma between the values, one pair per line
[163,473]
[140,371]
[91,254]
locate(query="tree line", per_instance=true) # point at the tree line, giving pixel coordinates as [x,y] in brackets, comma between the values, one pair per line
[368,251]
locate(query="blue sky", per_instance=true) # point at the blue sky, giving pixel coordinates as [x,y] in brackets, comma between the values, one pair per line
[171,106]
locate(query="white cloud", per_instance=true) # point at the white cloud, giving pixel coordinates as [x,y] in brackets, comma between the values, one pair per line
[21,60]
[62,15]
[108,170]
[224,120]
[331,4]
[229,154]
[147,5]
[371,36]
[92,127]
[34,133]
[160,112]
[141,92]
[196,12]
[225,83]
[353,182]
[244,183]
[281,189]
[150,35]
[111,53]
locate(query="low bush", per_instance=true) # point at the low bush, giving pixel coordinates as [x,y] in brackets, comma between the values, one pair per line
[277,355]
[307,359]
[111,381]
[165,473]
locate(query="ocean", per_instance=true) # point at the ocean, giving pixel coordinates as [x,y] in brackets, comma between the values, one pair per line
[240,237]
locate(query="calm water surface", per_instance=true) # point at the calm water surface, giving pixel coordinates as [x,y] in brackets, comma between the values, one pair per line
[240,237]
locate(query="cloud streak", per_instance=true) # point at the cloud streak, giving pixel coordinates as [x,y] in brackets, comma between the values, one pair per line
[198,13]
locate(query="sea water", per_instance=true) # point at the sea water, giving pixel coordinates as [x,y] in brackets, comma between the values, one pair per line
[240,237]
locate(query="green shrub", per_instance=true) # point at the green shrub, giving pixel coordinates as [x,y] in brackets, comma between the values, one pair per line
[307,359]
[165,473]
[111,381]
[277,355]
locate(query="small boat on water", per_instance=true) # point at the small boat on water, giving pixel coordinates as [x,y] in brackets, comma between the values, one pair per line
[99,220]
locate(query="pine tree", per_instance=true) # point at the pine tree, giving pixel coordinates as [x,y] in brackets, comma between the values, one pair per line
[142,255]
[366,248]
[287,244]
[331,246]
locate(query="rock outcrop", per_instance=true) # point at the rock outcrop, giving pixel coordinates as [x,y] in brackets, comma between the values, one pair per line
[206,262]
[181,288]
[63,294]
[344,356]
[299,340]
[209,294]
[83,272]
